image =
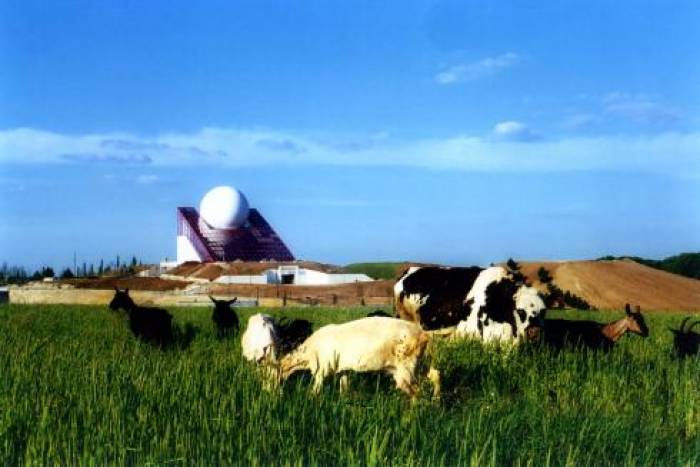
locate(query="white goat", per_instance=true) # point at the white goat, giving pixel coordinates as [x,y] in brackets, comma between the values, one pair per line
[368,344]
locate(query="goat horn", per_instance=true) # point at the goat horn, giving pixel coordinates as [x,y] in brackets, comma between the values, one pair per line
[683,323]
[692,326]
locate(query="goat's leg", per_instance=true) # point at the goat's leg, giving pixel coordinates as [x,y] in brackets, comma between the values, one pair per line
[269,374]
[404,381]
[434,377]
[319,376]
[343,383]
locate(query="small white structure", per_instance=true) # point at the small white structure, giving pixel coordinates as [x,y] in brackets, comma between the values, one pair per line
[294,275]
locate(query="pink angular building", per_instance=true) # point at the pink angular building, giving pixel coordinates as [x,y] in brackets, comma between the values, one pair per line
[227,229]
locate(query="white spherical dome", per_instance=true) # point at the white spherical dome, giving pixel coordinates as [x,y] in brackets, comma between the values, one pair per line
[224,207]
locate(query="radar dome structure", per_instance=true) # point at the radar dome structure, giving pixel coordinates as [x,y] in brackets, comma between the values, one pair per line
[226,229]
[224,207]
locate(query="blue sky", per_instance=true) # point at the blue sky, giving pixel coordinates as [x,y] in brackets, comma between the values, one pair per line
[457,132]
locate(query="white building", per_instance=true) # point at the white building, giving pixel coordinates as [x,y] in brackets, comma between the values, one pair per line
[291,274]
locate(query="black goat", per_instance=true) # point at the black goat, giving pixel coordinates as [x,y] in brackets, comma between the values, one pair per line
[224,317]
[686,342]
[153,325]
[591,334]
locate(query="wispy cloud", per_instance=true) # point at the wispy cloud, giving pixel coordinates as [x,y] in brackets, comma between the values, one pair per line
[578,121]
[513,130]
[641,108]
[147,179]
[283,145]
[96,158]
[327,202]
[476,70]
[510,147]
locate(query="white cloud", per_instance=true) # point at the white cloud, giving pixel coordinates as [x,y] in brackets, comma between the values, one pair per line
[513,130]
[672,153]
[477,70]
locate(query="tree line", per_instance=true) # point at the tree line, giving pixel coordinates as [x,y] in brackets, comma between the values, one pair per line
[11,274]
[684,264]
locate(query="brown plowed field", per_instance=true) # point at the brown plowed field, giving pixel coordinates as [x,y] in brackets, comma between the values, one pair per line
[611,284]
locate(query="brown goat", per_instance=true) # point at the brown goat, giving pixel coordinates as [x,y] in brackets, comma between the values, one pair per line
[559,332]
[685,341]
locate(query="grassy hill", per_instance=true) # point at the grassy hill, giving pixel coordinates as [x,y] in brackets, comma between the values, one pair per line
[386,270]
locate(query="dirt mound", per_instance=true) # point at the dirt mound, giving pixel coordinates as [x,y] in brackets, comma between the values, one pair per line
[211,271]
[611,284]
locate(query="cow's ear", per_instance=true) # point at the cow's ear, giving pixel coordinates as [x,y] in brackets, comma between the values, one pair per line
[116,289]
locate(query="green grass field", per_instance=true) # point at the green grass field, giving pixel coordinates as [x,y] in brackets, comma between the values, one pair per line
[75,387]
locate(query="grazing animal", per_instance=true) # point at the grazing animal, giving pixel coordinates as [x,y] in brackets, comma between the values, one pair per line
[265,339]
[591,334]
[153,325]
[434,296]
[497,308]
[686,342]
[224,317]
[367,344]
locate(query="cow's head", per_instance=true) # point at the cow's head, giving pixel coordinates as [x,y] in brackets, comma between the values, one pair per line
[529,312]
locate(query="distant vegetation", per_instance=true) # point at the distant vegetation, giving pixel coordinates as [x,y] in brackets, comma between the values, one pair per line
[685,264]
[10,274]
[375,270]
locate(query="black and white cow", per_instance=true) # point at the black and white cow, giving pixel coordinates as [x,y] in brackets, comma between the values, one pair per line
[500,309]
[487,304]
[434,296]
